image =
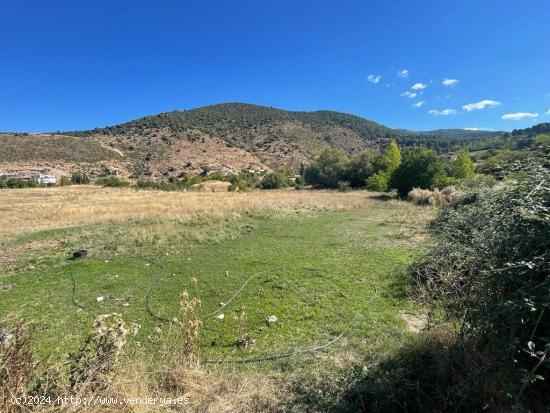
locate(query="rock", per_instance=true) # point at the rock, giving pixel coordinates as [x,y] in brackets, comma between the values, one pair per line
[222,304]
[227,273]
[100,299]
[125,305]
[220,316]
[78,254]
[244,341]
[271,319]
[5,337]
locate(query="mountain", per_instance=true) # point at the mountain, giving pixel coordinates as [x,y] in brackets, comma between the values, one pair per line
[225,137]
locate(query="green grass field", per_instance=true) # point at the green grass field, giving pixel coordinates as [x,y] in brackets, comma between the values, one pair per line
[313,270]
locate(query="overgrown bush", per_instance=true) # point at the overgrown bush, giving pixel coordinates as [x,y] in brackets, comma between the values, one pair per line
[378,182]
[343,186]
[80,178]
[486,283]
[244,181]
[111,182]
[12,183]
[490,271]
[435,198]
[276,179]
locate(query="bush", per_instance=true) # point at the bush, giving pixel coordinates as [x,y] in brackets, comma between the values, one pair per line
[80,178]
[436,197]
[65,181]
[111,181]
[343,186]
[378,182]
[12,183]
[275,180]
[244,181]
[489,271]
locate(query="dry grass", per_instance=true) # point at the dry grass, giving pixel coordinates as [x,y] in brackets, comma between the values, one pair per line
[27,210]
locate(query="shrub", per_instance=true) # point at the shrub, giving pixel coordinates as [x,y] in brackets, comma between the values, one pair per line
[378,182]
[343,186]
[65,181]
[275,180]
[244,181]
[436,197]
[14,183]
[80,178]
[111,181]
[489,271]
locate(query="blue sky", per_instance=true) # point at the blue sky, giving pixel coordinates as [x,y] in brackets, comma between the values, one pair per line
[67,65]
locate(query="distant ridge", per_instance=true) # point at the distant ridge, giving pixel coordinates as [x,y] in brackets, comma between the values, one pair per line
[225,137]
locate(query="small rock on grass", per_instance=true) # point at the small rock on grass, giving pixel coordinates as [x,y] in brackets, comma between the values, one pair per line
[271,319]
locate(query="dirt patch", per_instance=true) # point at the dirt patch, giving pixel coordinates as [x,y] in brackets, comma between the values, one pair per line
[5,287]
[415,322]
[8,255]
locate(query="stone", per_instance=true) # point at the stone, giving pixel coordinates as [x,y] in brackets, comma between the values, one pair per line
[271,319]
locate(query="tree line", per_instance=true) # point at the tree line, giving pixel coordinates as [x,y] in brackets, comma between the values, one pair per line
[389,169]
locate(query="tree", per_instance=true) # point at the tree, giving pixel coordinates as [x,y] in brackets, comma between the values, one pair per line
[328,169]
[419,168]
[360,168]
[463,167]
[390,159]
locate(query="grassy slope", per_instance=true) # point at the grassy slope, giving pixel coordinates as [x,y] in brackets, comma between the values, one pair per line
[49,148]
[315,271]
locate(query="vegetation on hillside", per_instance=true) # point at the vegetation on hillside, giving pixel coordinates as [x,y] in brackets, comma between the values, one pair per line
[47,148]
[240,124]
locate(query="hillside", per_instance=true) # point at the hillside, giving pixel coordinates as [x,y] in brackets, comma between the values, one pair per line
[225,137]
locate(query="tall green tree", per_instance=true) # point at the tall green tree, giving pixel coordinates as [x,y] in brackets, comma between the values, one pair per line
[420,168]
[390,159]
[360,168]
[328,169]
[462,167]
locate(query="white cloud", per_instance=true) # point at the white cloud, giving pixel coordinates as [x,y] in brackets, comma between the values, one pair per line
[419,104]
[374,78]
[480,105]
[403,73]
[408,94]
[547,112]
[419,86]
[519,116]
[444,112]
[450,82]
[474,129]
